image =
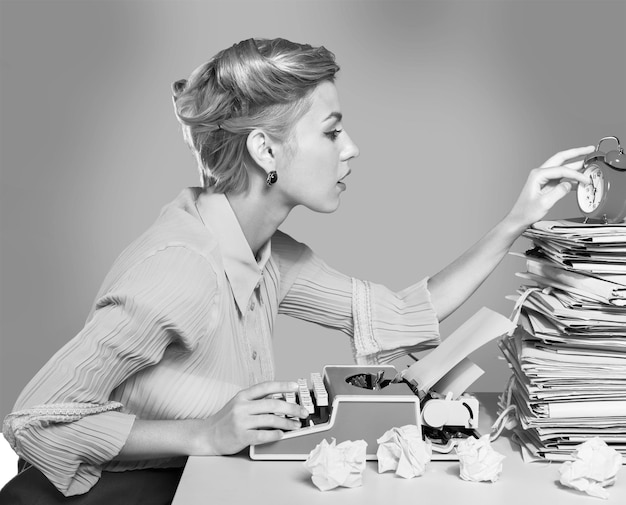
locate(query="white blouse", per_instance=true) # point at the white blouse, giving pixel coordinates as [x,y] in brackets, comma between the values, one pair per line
[182,322]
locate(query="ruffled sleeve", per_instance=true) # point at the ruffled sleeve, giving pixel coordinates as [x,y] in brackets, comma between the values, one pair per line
[383,324]
[65,424]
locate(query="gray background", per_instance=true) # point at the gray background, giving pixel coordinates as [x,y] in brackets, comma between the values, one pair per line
[450,102]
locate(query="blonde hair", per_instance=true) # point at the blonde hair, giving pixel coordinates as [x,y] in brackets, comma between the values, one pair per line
[257,83]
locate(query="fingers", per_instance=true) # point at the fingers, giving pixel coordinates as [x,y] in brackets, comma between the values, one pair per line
[270,421]
[557,192]
[254,401]
[265,436]
[280,407]
[561,157]
[576,165]
[264,389]
[546,175]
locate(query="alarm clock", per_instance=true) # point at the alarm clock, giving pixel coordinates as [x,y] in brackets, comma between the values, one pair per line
[604,198]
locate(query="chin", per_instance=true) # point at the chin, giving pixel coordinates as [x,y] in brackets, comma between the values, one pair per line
[326,207]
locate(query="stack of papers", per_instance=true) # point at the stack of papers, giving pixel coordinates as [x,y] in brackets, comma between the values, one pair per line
[568,352]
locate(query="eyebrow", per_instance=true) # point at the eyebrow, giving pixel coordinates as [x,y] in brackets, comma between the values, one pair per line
[337,116]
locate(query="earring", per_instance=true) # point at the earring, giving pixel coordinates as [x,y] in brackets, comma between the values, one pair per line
[272,177]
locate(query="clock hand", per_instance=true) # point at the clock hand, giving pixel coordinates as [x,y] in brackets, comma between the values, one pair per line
[593,186]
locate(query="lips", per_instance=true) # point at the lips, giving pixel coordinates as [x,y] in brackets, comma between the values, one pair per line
[344,176]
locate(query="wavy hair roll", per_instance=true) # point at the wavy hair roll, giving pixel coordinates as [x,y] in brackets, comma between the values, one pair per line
[257,83]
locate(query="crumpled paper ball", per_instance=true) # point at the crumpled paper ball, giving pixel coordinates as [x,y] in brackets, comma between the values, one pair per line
[479,462]
[594,467]
[334,465]
[403,450]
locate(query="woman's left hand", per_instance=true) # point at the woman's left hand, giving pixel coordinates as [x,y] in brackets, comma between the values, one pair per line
[547,185]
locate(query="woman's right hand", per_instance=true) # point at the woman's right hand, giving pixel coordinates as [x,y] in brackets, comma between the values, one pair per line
[547,185]
[249,418]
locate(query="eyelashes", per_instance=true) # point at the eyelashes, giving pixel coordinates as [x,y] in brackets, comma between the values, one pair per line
[332,135]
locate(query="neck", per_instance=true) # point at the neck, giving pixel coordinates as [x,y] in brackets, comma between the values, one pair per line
[259,214]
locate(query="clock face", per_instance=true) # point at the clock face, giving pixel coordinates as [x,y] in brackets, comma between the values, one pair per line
[591,195]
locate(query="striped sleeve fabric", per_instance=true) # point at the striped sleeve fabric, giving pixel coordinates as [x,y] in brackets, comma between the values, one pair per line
[391,324]
[383,324]
[64,423]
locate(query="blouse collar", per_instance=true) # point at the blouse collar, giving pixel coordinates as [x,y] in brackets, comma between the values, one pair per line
[242,269]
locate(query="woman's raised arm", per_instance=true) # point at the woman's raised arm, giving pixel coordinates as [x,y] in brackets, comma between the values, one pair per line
[544,187]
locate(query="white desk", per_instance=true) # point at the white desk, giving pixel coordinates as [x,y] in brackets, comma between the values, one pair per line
[237,479]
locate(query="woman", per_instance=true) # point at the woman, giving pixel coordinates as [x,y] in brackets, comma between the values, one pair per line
[175,358]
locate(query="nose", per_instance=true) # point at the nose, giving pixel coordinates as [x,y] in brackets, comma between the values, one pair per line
[350,149]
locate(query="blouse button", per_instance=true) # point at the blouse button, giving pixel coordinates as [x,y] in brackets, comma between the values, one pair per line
[252,305]
[254,354]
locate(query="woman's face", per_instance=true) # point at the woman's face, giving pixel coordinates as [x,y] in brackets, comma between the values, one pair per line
[313,174]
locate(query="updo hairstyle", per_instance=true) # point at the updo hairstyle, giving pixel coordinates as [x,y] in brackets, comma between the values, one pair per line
[257,83]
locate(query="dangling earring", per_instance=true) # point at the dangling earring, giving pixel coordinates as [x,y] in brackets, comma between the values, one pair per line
[272,177]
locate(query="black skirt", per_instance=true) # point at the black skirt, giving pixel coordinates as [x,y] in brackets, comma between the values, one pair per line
[136,487]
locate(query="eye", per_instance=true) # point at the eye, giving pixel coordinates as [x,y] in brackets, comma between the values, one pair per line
[332,135]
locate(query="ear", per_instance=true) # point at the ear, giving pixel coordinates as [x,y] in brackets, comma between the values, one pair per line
[261,149]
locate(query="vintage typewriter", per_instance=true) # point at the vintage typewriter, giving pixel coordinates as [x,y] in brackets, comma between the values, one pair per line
[361,402]
[352,402]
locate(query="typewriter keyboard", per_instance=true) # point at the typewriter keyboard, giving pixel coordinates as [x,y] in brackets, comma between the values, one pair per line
[313,397]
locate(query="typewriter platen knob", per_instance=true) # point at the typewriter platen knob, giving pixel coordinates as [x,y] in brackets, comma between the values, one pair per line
[463,412]
[435,413]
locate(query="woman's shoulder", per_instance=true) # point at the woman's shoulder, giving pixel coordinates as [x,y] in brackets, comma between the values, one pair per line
[282,243]
[287,251]
[175,236]
[179,225]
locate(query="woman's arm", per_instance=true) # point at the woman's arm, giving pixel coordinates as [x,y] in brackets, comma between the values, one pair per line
[65,424]
[249,418]
[544,187]
[67,427]
[382,324]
